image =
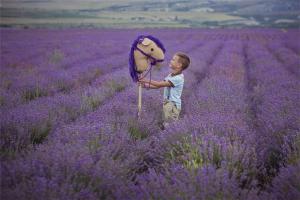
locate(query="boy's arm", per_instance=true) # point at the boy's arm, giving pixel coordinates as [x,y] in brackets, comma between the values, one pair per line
[147,85]
[157,84]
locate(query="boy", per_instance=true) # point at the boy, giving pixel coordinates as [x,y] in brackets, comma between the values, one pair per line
[173,85]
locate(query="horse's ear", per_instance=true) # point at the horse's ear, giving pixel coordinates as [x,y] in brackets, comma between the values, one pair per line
[146,42]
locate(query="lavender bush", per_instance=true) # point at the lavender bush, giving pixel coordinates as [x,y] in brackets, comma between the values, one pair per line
[69,127]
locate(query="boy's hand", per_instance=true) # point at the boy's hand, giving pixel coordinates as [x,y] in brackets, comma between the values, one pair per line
[143,80]
[143,85]
[146,85]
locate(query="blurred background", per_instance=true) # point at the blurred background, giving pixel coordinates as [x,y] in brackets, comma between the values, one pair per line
[142,13]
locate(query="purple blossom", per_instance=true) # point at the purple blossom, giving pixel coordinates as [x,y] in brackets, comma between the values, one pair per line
[69,127]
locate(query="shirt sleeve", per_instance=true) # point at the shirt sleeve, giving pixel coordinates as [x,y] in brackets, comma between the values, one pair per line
[175,80]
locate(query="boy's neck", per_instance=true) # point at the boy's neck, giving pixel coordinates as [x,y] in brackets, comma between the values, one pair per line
[176,73]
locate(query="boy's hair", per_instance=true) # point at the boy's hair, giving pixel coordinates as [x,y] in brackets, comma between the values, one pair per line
[183,59]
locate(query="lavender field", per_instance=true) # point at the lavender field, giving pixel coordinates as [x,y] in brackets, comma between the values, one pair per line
[69,128]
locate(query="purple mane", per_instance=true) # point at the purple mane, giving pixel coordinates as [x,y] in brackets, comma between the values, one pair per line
[132,65]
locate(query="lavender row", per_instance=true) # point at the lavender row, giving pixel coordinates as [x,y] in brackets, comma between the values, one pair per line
[285,185]
[220,100]
[134,163]
[41,86]
[275,89]
[39,122]
[289,59]
[110,119]
[83,139]
[42,125]
[117,121]
[275,107]
[31,88]
[195,154]
[48,81]
[217,114]
[30,46]
[291,39]
[31,123]
[195,145]
[232,156]
[109,154]
[39,46]
[199,70]
[150,99]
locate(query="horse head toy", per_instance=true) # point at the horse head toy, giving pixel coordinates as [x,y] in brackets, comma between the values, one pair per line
[145,51]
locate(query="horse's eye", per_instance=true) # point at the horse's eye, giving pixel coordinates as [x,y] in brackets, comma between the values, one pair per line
[152,49]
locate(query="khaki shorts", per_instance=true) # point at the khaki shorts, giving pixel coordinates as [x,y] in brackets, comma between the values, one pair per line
[170,111]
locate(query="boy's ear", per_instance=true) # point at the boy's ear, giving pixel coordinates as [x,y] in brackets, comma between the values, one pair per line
[180,64]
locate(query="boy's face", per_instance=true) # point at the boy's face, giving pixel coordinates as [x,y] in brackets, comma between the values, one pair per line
[175,65]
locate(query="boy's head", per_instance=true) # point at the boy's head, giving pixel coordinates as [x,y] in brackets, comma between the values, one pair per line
[179,62]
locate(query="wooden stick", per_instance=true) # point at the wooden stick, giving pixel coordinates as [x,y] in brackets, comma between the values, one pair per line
[139,100]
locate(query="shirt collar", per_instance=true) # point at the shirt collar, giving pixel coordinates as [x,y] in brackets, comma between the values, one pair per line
[175,74]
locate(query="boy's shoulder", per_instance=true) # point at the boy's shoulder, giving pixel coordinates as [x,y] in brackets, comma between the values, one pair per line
[175,77]
[178,76]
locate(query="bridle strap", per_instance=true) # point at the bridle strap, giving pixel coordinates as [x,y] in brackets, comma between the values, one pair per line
[153,62]
[149,70]
[149,56]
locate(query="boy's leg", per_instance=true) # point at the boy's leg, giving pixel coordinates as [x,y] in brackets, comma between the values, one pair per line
[170,112]
[167,111]
[175,113]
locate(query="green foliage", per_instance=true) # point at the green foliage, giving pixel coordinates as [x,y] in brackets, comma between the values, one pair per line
[217,156]
[8,146]
[114,86]
[33,93]
[193,154]
[186,153]
[2,101]
[40,133]
[91,102]
[294,154]
[195,159]
[7,84]
[63,86]
[81,181]
[90,76]
[72,112]
[94,144]
[136,131]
